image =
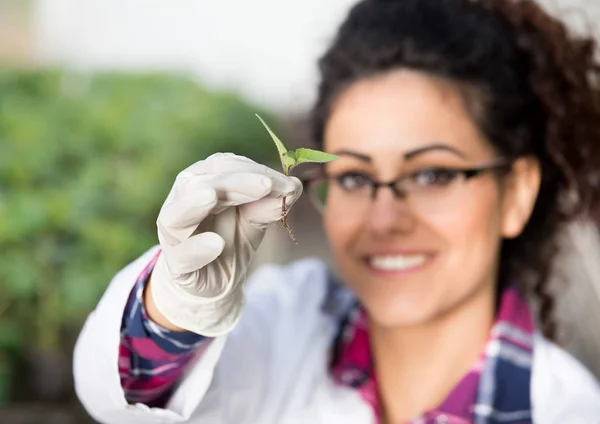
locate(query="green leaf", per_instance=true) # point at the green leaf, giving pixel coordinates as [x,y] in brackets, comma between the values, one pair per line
[288,163]
[304,155]
[283,152]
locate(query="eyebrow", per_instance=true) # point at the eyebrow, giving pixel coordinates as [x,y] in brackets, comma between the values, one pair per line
[359,156]
[417,152]
[408,155]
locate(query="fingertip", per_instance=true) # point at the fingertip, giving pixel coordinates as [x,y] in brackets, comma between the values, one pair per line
[293,188]
[213,242]
[207,196]
[267,184]
[296,180]
[297,183]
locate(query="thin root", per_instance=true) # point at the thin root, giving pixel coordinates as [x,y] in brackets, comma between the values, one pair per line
[284,221]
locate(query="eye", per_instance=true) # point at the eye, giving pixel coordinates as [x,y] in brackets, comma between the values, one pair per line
[351,181]
[435,177]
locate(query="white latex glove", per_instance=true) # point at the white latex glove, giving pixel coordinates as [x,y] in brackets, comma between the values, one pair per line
[211,224]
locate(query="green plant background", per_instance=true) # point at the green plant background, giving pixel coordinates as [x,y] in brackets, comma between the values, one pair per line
[85,164]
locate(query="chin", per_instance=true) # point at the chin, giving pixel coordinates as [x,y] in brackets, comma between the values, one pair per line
[401,310]
[395,319]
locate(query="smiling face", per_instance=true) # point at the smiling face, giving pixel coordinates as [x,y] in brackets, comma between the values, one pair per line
[411,259]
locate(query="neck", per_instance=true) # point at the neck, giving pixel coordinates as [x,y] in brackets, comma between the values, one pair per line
[418,366]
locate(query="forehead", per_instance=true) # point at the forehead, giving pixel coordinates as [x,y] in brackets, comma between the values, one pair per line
[402,111]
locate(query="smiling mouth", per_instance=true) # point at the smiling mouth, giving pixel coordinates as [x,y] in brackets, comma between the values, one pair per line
[397,263]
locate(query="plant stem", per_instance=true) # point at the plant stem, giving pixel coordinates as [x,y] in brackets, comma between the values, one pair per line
[284,221]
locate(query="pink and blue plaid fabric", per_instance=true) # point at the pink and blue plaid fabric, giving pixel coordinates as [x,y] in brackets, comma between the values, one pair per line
[495,391]
[152,358]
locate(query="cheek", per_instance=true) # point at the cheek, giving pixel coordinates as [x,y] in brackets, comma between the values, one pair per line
[340,229]
[334,230]
[472,235]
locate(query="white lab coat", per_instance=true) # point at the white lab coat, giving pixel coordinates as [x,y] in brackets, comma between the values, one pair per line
[272,369]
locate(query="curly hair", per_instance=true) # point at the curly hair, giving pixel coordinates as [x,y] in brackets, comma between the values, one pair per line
[535,82]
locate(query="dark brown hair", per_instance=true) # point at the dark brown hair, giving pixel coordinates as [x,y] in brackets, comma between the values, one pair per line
[538,88]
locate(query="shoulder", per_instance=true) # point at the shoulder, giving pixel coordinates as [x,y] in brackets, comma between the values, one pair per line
[563,390]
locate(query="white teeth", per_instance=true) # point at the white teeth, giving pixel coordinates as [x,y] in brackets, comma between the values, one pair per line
[396,262]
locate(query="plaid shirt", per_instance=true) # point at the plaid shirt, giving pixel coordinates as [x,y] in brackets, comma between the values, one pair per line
[152,358]
[495,391]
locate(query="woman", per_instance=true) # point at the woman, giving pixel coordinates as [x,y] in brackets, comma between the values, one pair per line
[468,136]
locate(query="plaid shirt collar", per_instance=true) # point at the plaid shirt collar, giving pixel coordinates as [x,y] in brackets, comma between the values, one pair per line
[495,391]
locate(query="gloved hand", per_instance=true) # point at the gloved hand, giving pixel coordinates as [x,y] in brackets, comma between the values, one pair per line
[209,227]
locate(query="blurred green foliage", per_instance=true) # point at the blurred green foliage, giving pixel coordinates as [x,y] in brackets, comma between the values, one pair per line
[85,164]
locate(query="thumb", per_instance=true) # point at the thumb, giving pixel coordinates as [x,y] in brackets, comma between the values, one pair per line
[194,253]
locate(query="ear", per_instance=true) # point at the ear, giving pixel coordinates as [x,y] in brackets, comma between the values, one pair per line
[520,193]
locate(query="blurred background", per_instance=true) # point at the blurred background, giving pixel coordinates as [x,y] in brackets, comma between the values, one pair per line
[103,102]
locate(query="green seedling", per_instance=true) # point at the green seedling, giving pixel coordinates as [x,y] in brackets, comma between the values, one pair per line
[289,160]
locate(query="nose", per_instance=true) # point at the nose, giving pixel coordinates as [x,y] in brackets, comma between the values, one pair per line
[390,214]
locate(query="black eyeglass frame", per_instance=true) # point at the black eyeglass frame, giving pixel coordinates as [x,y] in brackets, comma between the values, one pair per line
[467,173]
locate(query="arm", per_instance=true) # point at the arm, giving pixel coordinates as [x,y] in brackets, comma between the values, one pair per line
[97,379]
[152,358]
[209,227]
[271,359]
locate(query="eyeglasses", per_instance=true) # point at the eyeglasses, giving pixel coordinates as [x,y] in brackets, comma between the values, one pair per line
[425,190]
